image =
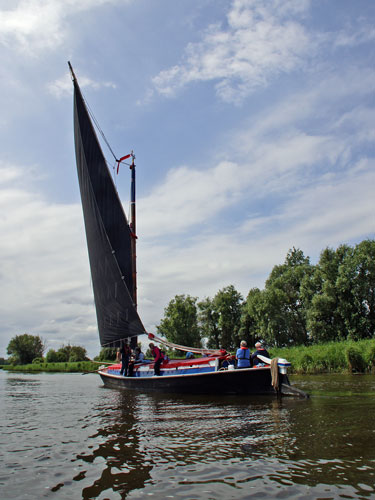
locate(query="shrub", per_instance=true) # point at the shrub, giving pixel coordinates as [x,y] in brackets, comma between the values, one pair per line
[107,354]
[356,362]
[37,361]
[51,356]
[370,356]
[306,362]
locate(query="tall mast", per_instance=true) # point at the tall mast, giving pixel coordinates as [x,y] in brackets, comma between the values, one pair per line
[133,228]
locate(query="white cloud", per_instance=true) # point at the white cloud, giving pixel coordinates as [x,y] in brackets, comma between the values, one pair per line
[63,86]
[275,155]
[189,196]
[44,273]
[37,25]
[260,41]
[350,38]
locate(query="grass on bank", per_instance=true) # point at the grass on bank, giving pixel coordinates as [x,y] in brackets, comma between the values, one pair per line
[331,357]
[65,367]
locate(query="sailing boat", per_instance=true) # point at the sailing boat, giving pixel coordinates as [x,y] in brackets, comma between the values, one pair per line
[111,248]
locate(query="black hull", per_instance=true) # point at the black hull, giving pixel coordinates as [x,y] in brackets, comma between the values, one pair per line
[244,381]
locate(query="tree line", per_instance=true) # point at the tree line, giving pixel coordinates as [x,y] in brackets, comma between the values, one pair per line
[25,349]
[301,304]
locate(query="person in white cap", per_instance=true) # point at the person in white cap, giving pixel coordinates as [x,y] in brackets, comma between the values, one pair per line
[261,351]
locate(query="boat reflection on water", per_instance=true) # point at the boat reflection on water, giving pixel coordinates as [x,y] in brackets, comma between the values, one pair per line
[195,446]
[141,438]
[66,436]
[117,447]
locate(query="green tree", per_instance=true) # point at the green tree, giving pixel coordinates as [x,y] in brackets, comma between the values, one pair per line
[24,348]
[63,353]
[107,354]
[180,322]
[356,286]
[51,356]
[208,318]
[67,353]
[285,302]
[325,321]
[220,318]
[77,353]
[228,305]
[253,326]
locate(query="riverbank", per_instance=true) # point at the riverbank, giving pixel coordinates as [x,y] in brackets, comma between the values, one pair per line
[78,367]
[331,357]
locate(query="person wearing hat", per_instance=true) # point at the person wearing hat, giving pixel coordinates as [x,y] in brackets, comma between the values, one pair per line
[259,350]
[243,355]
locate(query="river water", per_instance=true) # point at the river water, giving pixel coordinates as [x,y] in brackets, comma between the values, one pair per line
[65,436]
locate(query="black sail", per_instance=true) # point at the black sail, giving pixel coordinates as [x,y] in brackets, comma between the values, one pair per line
[107,232]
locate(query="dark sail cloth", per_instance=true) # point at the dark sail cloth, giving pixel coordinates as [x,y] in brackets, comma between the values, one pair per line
[158,359]
[262,352]
[125,358]
[109,236]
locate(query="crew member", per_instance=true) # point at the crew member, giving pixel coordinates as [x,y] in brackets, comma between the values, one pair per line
[261,351]
[137,359]
[125,358]
[243,355]
[158,358]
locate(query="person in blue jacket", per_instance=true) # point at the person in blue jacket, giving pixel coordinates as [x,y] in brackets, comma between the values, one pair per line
[243,355]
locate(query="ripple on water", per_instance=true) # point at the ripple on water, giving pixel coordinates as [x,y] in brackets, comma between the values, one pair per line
[67,437]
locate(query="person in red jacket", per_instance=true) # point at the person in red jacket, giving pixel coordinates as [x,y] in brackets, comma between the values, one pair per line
[158,358]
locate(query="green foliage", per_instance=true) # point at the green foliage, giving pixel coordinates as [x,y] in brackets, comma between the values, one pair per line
[301,304]
[343,304]
[370,356]
[208,318]
[356,284]
[77,353]
[51,356]
[277,314]
[83,366]
[304,304]
[107,354]
[356,362]
[228,304]
[220,319]
[38,361]
[24,348]
[285,301]
[329,357]
[180,322]
[253,313]
[66,353]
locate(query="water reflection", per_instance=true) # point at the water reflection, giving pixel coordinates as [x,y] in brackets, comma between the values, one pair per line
[66,436]
[117,442]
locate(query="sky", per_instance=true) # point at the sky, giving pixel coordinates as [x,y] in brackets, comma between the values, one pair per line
[253,127]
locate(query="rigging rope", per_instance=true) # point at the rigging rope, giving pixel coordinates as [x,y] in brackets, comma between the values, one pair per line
[98,127]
